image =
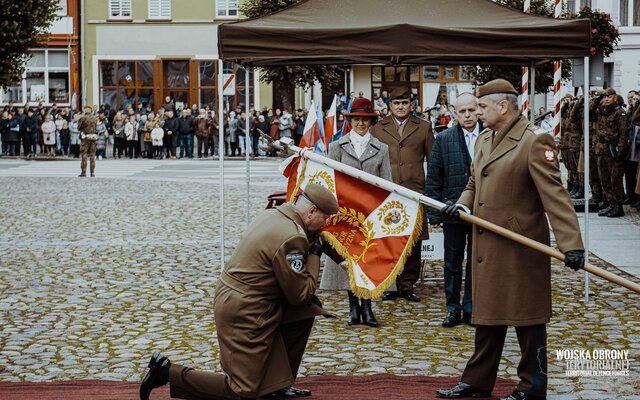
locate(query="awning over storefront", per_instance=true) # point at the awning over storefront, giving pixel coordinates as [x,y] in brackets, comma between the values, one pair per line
[401,32]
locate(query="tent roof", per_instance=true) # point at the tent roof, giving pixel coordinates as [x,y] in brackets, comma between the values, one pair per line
[401,32]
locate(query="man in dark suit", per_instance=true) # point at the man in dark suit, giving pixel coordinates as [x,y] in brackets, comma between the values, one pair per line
[448,174]
[410,140]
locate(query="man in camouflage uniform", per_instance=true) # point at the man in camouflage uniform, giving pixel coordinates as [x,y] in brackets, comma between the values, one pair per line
[572,131]
[87,125]
[610,149]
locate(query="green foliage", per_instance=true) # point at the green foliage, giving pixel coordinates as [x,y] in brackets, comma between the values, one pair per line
[23,25]
[604,35]
[285,78]
[544,72]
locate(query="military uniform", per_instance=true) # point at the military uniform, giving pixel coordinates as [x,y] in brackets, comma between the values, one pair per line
[611,135]
[264,311]
[565,135]
[87,125]
[410,145]
[513,182]
[574,146]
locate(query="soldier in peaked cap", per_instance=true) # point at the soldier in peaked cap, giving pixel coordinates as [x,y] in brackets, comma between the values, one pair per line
[410,140]
[264,308]
[515,183]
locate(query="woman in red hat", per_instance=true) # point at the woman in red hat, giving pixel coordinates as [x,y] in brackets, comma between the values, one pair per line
[361,150]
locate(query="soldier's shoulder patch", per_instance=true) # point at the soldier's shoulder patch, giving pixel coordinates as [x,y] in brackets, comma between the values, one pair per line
[549,155]
[296,261]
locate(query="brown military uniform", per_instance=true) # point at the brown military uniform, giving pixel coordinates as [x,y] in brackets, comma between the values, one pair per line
[611,131]
[515,183]
[87,125]
[264,311]
[409,147]
[570,152]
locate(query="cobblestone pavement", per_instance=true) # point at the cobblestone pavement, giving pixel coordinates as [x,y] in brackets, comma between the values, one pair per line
[97,273]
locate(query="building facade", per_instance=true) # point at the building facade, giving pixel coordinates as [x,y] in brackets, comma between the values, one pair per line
[52,73]
[140,51]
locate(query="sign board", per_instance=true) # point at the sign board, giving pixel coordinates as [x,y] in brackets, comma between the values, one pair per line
[433,249]
[229,84]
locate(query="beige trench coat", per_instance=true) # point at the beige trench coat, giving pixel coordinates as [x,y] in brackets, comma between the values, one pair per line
[513,186]
[269,280]
[408,153]
[375,161]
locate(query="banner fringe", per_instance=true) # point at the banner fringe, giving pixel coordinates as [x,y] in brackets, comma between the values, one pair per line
[365,293]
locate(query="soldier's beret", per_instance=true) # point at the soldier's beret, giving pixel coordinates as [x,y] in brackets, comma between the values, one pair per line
[401,92]
[610,92]
[496,86]
[322,198]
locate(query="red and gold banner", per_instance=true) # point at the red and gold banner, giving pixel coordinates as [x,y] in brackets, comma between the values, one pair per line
[374,230]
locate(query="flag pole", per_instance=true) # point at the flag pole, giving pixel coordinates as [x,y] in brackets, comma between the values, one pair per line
[287,144]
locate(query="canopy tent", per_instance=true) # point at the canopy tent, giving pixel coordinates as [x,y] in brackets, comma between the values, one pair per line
[405,32]
[401,32]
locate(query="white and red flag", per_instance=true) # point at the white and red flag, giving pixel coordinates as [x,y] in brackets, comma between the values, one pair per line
[373,231]
[313,135]
[331,123]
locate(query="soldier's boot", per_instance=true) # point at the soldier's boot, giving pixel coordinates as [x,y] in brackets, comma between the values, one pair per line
[367,314]
[354,309]
[578,194]
[616,211]
[602,202]
[605,210]
[570,187]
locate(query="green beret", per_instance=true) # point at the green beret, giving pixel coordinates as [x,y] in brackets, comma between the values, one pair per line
[401,92]
[496,86]
[322,198]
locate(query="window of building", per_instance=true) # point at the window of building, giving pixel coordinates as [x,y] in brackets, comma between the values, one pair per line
[585,3]
[207,84]
[119,8]
[388,78]
[448,73]
[62,8]
[46,79]
[629,8]
[624,12]
[227,8]
[238,100]
[160,9]
[126,82]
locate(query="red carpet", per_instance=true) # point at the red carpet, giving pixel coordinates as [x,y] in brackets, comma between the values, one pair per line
[327,387]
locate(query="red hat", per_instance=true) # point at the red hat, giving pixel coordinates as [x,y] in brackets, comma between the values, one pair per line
[362,107]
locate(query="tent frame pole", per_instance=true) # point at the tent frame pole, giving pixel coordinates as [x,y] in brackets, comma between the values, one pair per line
[532,91]
[585,94]
[247,143]
[221,151]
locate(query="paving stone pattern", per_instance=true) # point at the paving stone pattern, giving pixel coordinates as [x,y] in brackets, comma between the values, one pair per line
[97,273]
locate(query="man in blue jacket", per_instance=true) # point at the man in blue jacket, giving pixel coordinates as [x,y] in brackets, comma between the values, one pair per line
[447,176]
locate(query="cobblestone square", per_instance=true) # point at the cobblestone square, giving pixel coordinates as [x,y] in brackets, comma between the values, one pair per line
[97,273]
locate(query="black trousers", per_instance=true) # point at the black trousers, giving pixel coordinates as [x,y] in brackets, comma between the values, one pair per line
[411,272]
[482,367]
[456,238]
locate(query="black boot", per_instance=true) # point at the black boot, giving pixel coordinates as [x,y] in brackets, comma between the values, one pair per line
[354,309]
[605,210]
[157,376]
[570,187]
[367,314]
[579,193]
[616,211]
